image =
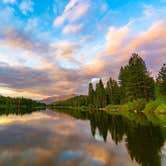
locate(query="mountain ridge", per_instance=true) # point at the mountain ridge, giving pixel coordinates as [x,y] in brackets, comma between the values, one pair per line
[53,99]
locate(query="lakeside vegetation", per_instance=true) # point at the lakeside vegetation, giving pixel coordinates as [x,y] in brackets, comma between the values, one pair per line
[135,90]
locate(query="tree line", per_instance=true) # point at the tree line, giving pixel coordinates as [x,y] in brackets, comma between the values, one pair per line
[134,82]
[19,102]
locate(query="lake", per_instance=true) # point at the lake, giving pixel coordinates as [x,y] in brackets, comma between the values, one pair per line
[79,138]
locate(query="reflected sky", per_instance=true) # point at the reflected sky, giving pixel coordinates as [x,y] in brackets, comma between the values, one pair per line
[52,138]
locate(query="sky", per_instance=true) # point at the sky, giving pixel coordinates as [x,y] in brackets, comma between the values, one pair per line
[56,47]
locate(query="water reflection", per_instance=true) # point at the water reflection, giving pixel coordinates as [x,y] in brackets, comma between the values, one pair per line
[16,111]
[143,141]
[57,138]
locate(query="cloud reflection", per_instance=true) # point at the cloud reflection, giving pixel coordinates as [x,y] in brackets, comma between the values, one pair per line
[53,139]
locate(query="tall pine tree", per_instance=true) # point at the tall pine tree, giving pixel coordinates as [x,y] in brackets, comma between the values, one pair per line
[91,94]
[135,80]
[100,96]
[161,80]
[112,92]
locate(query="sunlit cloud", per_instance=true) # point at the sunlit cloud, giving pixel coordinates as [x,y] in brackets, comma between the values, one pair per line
[79,11]
[73,11]
[116,38]
[71,4]
[16,38]
[64,49]
[147,43]
[69,29]
[17,93]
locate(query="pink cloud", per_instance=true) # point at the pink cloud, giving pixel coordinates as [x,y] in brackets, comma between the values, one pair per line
[116,38]
[71,4]
[121,42]
[74,10]
[65,49]
[60,20]
[156,33]
[79,11]
[69,29]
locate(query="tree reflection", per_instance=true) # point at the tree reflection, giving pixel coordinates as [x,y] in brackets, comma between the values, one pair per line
[17,111]
[143,141]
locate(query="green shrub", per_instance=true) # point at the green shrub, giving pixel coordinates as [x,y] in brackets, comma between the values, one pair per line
[161,109]
[152,106]
[137,105]
[112,108]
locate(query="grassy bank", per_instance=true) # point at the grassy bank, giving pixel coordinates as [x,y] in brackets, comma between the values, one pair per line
[141,111]
[137,106]
[155,106]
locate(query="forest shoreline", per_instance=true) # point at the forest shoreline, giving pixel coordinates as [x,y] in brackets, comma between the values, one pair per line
[135,90]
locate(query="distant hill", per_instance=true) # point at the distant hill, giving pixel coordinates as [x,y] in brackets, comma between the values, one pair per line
[52,99]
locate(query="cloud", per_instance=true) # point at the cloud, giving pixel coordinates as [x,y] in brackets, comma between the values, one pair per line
[150,12]
[49,54]
[26,6]
[73,11]
[125,41]
[65,49]
[67,65]
[30,80]
[60,20]
[22,77]
[71,4]
[27,43]
[79,11]
[120,43]
[19,79]
[6,15]
[32,23]
[150,44]
[96,67]
[154,36]
[60,81]
[17,38]
[9,1]
[116,38]
[24,80]
[69,29]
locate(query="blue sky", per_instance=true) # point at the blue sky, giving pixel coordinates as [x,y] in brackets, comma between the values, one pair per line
[64,44]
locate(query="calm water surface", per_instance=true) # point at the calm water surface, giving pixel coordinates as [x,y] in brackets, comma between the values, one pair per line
[47,138]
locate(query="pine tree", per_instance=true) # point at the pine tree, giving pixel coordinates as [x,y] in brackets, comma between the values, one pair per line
[108,91]
[135,80]
[91,94]
[161,80]
[123,74]
[116,93]
[100,96]
[112,92]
